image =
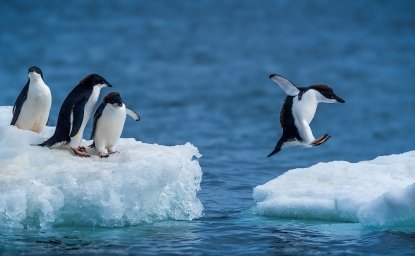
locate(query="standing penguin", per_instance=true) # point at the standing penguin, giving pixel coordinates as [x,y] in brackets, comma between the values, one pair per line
[32,106]
[298,111]
[75,113]
[109,122]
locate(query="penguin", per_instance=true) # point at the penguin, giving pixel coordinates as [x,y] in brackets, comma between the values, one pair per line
[32,106]
[109,119]
[298,111]
[75,113]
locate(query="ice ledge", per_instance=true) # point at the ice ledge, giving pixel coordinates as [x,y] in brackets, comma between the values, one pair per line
[41,187]
[377,192]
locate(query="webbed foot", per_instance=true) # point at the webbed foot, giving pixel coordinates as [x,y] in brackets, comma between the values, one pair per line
[104,155]
[112,151]
[321,140]
[80,151]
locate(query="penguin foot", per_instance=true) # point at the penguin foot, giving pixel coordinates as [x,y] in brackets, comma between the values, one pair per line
[104,155]
[112,151]
[321,140]
[80,151]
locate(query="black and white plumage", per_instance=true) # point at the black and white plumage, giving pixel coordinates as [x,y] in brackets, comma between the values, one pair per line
[75,113]
[32,106]
[298,111]
[109,121]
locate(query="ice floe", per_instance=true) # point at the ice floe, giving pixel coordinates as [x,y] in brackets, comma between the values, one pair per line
[41,187]
[378,192]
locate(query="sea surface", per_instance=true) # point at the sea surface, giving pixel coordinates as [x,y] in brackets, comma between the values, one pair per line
[197,71]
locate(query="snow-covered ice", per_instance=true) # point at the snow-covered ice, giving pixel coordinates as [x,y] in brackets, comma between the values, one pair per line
[379,192]
[42,187]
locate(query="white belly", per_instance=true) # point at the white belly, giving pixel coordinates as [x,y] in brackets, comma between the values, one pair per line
[303,112]
[35,110]
[305,109]
[109,127]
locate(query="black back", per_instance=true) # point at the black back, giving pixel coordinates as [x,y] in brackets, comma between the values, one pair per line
[289,130]
[74,103]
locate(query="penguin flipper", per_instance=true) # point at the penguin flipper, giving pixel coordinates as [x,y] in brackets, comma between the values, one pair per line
[133,114]
[286,85]
[321,140]
[19,103]
[97,115]
[78,116]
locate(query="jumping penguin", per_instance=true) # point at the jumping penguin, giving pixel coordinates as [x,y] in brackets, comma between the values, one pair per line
[75,113]
[298,111]
[32,106]
[109,121]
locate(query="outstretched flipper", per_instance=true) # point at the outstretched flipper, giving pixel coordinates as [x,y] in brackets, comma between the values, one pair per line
[321,140]
[133,114]
[286,85]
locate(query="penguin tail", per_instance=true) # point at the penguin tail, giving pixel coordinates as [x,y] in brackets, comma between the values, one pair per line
[49,142]
[275,151]
[277,148]
[46,143]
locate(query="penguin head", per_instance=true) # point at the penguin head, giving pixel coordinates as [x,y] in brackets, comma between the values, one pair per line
[113,98]
[35,73]
[95,80]
[326,94]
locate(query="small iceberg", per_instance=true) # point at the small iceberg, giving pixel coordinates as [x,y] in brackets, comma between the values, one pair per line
[41,187]
[379,192]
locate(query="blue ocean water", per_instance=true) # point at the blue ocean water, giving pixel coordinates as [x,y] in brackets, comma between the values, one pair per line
[198,71]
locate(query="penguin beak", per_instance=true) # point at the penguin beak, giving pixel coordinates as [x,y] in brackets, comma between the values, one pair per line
[108,84]
[340,100]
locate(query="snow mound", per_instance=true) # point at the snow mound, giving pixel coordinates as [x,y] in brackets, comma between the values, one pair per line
[380,192]
[42,187]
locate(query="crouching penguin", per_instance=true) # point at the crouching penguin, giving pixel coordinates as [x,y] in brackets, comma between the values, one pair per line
[109,121]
